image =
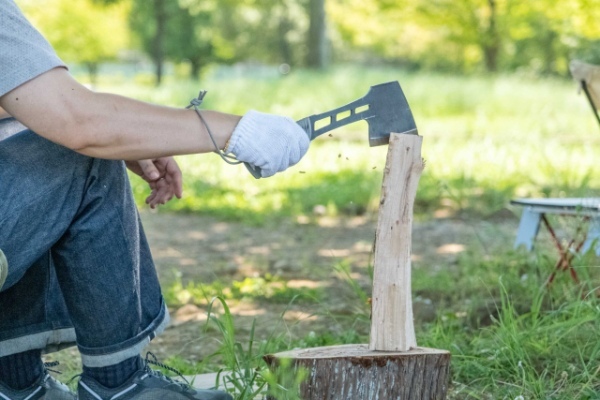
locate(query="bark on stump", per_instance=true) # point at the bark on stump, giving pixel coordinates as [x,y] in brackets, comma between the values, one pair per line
[391,366]
[353,372]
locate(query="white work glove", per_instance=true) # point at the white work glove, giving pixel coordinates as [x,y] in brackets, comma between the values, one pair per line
[269,142]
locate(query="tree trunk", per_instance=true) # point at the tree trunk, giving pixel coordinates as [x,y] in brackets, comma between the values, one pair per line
[158,50]
[195,68]
[549,40]
[317,35]
[491,40]
[92,68]
[284,45]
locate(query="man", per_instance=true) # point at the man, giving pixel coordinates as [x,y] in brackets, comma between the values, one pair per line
[79,267]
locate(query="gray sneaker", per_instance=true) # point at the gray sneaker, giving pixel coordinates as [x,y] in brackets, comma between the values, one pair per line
[147,384]
[46,388]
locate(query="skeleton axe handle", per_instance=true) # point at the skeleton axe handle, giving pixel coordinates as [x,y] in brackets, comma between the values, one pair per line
[308,123]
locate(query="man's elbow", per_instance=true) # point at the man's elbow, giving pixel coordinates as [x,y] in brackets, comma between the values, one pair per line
[69,131]
[3,113]
[76,127]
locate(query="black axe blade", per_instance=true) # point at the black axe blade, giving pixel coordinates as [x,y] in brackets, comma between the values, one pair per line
[384,108]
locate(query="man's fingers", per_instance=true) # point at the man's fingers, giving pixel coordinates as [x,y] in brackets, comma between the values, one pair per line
[174,177]
[162,192]
[164,178]
[149,169]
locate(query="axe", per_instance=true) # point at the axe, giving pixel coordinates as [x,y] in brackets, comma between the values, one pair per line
[384,108]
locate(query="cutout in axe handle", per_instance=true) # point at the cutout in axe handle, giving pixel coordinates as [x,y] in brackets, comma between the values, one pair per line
[384,108]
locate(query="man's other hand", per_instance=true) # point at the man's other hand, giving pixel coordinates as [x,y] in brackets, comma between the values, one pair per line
[163,176]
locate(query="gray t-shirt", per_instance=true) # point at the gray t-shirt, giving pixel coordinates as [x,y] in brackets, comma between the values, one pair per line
[24,53]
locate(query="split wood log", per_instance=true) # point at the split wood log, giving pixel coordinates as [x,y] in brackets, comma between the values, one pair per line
[392,326]
[354,372]
[391,366]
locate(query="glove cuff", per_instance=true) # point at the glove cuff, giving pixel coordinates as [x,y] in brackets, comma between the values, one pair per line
[249,124]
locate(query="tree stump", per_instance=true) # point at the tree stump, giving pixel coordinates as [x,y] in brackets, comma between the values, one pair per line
[354,372]
[391,366]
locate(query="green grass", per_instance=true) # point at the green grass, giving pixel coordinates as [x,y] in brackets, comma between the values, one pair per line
[263,288]
[509,335]
[512,336]
[538,354]
[486,140]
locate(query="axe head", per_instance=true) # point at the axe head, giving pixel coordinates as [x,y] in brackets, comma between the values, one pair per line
[388,112]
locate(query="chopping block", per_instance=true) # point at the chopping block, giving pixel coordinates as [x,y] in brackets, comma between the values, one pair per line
[391,366]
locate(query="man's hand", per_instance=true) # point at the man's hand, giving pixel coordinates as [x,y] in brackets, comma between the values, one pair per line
[163,176]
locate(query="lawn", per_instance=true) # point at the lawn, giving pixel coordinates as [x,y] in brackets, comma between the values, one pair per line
[487,139]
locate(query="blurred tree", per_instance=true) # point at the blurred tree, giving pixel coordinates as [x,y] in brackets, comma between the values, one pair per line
[170,29]
[463,35]
[149,21]
[469,25]
[379,29]
[317,35]
[270,31]
[456,35]
[548,34]
[81,32]
[190,35]
[225,31]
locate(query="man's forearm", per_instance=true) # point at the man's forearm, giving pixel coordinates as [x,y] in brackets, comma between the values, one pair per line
[122,128]
[103,125]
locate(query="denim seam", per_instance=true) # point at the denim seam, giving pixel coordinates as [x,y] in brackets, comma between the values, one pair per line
[47,286]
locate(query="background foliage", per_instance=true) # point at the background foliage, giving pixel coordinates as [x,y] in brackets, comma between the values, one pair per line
[450,35]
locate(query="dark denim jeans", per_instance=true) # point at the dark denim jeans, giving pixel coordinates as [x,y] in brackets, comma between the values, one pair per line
[79,266]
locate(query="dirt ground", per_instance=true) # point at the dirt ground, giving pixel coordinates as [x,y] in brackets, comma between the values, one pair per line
[303,252]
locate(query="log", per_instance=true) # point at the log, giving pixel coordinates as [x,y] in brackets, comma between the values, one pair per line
[391,366]
[354,372]
[392,326]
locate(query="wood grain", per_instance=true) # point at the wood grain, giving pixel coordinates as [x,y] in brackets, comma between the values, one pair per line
[392,326]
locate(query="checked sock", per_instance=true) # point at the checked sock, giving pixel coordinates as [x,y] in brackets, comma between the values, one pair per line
[21,370]
[114,375]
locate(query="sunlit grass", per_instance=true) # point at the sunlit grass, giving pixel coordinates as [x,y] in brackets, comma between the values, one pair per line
[539,353]
[268,288]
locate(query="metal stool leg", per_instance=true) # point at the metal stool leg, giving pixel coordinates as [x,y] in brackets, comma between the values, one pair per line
[529,227]
[566,256]
[593,236]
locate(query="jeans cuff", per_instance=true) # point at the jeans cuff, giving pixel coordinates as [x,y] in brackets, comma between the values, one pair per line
[48,341]
[102,357]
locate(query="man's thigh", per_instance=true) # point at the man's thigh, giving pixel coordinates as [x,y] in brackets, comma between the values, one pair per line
[41,187]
